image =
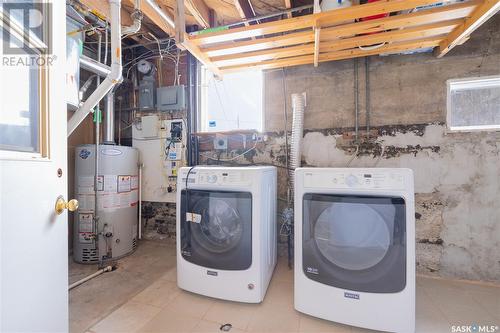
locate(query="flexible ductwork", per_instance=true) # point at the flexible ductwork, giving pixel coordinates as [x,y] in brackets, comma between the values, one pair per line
[114,77]
[298,108]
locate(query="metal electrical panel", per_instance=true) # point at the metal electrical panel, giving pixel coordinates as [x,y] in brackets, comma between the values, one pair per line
[147,93]
[171,98]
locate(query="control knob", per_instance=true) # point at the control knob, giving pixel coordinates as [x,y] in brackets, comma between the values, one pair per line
[351,180]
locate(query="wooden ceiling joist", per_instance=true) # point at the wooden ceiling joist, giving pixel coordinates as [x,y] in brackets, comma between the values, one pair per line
[393,22]
[101,9]
[333,35]
[433,29]
[483,12]
[324,19]
[339,55]
[200,11]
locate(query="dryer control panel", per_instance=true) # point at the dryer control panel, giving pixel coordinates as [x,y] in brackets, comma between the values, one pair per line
[218,177]
[355,180]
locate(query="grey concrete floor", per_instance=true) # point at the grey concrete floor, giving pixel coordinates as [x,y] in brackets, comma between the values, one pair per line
[91,302]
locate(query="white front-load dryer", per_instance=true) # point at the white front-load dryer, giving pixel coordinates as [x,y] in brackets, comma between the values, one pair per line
[355,246]
[226,231]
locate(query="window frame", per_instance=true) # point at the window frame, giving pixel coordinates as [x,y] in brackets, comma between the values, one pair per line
[470,83]
[42,152]
[202,96]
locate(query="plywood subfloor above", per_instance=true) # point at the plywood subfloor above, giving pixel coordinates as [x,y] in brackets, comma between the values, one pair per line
[342,34]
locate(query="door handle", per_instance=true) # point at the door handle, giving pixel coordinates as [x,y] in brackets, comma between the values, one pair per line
[61,205]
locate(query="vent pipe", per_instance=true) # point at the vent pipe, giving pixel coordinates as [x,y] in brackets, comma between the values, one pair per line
[109,119]
[113,78]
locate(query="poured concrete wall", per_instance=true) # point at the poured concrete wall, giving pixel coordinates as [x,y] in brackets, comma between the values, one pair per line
[456,175]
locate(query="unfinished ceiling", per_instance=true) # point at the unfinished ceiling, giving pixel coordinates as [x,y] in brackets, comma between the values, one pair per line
[375,28]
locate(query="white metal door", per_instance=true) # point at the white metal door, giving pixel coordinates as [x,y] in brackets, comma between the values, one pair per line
[33,170]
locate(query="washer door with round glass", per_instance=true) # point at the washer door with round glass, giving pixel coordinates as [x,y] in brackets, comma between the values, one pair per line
[355,242]
[216,229]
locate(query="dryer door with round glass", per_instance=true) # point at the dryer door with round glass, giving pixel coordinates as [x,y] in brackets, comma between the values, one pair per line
[355,242]
[216,229]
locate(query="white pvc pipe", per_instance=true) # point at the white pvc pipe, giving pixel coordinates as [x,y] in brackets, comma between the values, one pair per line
[114,77]
[160,12]
[298,108]
[140,201]
[90,277]
[109,119]
[94,66]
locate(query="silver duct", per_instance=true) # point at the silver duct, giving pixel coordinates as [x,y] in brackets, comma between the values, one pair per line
[109,119]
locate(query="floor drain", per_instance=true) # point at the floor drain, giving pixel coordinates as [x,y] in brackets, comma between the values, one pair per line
[226,327]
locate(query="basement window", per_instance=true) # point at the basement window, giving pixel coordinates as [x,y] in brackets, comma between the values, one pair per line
[234,102]
[474,104]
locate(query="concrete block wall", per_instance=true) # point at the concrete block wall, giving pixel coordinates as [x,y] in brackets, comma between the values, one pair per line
[456,174]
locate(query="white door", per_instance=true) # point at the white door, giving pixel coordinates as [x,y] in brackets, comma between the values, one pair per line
[33,168]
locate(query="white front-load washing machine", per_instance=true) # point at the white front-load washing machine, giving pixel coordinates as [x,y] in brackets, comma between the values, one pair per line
[355,246]
[226,231]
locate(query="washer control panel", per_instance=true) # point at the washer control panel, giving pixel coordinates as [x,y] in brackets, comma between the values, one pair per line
[218,177]
[355,180]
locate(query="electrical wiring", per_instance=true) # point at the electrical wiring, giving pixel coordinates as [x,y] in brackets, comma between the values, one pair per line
[382,151]
[232,158]
[158,42]
[353,156]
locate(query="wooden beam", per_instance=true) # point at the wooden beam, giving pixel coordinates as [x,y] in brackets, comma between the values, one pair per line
[148,9]
[200,11]
[324,19]
[288,5]
[180,22]
[393,22]
[259,44]
[101,9]
[317,32]
[339,55]
[245,9]
[434,29]
[483,12]
[195,50]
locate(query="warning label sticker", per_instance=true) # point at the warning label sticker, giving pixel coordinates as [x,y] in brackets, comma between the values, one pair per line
[85,222]
[85,227]
[110,183]
[134,182]
[124,184]
[193,217]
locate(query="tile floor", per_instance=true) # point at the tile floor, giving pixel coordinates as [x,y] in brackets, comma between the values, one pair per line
[97,298]
[162,307]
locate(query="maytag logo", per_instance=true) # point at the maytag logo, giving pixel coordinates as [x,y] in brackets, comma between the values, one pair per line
[351,295]
[312,270]
[213,273]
